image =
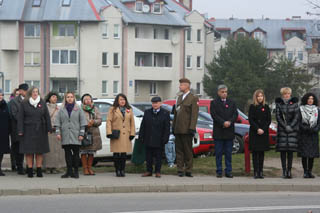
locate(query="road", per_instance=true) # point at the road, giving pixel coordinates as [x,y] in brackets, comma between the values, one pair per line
[279,202]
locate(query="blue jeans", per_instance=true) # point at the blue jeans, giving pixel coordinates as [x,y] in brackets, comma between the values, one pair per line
[170,150]
[224,147]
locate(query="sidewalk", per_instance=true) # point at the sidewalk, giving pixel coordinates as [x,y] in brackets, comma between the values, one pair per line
[12,184]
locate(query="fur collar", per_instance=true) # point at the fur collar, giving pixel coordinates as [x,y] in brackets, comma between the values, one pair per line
[293,100]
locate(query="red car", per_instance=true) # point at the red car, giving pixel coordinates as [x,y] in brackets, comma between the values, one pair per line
[206,141]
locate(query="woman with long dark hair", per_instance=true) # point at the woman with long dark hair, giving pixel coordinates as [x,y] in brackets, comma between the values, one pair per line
[260,119]
[309,133]
[121,131]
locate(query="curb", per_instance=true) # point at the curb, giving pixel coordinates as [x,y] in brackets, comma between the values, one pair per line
[165,188]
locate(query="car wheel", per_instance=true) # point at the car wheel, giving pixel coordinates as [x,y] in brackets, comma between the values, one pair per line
[238,145]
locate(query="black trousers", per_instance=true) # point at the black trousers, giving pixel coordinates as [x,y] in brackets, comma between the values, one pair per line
[119,160]
[151,154]
[258,160]
[18,157]
[307,164]
[72,156]
[286,159]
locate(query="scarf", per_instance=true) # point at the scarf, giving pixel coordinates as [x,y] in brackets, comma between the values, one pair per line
[69,108]
[286,101]
[309,115]
[123,110]
[35,102]
[88,108]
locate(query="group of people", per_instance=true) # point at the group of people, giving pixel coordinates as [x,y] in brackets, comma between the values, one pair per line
[54,136]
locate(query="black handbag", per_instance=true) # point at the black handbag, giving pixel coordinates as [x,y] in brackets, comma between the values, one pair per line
[115,134]
[87,139]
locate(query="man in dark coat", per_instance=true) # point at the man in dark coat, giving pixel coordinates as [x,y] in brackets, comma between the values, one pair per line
[15,138]
[184,127]
[154,133]
[224,114]
[4,129]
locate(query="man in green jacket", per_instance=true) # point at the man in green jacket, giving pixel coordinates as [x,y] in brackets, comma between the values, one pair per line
[184,127]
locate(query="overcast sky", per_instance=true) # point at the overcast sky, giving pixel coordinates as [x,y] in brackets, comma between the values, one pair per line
[274,9]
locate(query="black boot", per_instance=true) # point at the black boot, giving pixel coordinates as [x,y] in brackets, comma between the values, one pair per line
[117,167]
[261,161]
[255,165]
[305,167]
[75,173]
[39,172]
[283,156]
[68,173]
[310,166]
[30,172]
[122,167]
[20,171]
[284,173]
[289,175]
[1,173]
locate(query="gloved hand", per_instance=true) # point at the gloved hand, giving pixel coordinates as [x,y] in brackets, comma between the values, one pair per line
[109,136]
[131,137]
[192,132]
[289,129]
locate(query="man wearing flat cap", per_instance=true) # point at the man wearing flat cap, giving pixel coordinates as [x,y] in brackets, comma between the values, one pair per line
[15,138]
[184,127]
[154,133]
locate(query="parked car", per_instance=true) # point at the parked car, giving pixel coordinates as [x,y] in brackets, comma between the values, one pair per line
[204,106]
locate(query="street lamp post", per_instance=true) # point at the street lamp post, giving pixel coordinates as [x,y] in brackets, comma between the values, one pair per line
[2,78]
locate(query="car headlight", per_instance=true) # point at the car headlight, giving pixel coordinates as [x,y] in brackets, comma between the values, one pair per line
[207,135]
[273,127]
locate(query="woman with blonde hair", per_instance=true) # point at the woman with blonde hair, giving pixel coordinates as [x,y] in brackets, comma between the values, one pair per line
[34,124]
[288,118]
[260,119]
[70,126]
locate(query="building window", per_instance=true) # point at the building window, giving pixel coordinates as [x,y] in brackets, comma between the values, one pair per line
[290,55]
[36,3]
[64,57]
[166,34]
[116,31]
[198,90]
[7,86]
[115,87]
[199,35]
[1,1]
[104,87]
[136,89]
[300,56]
[139,6]
[136,32]
[32,30]
[188,34]
[189,61]
[115,59]
[33,83]
[66,30]
[157,8]
[199,62]
[153,88]
[167,61]
[104,59]
[66,3]
[155,33]
[258,35]
[31,58]
[104,29]
[241,33]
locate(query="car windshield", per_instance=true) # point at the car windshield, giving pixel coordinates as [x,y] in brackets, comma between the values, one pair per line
[242,115]
[204,116]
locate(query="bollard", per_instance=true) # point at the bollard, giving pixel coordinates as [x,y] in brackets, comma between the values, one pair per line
[246,153]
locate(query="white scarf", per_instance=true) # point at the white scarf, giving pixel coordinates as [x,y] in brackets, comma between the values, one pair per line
[309,115]
[34,102]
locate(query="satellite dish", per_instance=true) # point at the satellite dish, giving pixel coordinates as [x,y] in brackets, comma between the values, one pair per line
[146,8]
[151,1]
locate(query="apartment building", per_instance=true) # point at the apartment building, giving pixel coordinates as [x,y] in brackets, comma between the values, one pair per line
[104,47]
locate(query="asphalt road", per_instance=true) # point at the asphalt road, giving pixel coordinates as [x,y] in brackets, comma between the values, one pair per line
[279,202]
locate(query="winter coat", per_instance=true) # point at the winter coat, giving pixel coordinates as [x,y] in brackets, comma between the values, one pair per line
[288,118]
[220,113]
[94,130]
[116,121]
[70,128]
[5,128]
[185,114]
[309,140]
[14,110]
[55,158]
[155,128]
[259,118]
[34,124]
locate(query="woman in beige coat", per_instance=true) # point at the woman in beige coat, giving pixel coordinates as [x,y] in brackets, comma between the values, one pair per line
[54,160]
[94,120]
[121,131]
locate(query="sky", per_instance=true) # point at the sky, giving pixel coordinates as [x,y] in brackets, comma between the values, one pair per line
[273,9]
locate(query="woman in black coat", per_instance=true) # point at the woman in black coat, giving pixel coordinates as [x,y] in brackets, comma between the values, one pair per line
[288,116]
[34,124]
[309,133]
[260,119]
[4,129]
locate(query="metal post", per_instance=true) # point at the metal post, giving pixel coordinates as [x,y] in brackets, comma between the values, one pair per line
[2,77]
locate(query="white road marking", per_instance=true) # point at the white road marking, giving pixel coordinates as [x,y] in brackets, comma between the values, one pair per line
[237,209]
